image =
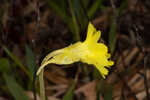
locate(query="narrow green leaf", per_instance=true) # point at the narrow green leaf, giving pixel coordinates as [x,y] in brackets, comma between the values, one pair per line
[122,97]
[94,7]
[80,12]
[30,58]
[59,10]
[17,61]
[86,3]
[100,88]
[14,88]
[64,6]
[74,21]
[4,65]
[108,95]
[69,95]
[112,35]
[122,7]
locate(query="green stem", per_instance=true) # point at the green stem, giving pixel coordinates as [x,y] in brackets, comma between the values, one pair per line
[42,88]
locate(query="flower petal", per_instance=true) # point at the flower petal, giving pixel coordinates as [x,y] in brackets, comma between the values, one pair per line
[102,70]
[92,34]
[109,64]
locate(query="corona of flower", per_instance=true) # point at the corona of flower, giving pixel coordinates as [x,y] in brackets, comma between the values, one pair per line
[89,51]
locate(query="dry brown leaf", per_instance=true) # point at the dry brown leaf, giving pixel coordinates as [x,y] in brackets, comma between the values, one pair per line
[56,78]
[127,59]
[52,98]
[89,90]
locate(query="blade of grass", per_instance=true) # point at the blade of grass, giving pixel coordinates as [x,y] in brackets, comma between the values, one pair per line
[30,59]
[122,7]
[108,95]
[76,26]
[112,35]
[80,13]
[58,10]
[17,61]
[86,3]
[15,89]
[100,88]
[69,95]
[94,8]
[64,6]
[4,65]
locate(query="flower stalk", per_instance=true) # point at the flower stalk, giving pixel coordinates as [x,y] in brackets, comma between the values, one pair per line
[42,87]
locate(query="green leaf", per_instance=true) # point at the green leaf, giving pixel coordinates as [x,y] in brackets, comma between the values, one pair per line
[85,3]
[63,5]
[30,58]
[69,95]
[59,10]
[94,7]
[14,88]
[108,95]
[80,12]
[74,21]
[122,97]
[112,35]
[100,89]
[17,61]
[123,5]
[4,65]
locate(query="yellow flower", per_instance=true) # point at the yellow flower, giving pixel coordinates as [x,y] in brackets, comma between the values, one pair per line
[89,51]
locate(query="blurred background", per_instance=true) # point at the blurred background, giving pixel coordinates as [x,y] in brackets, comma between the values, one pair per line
[30,29]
